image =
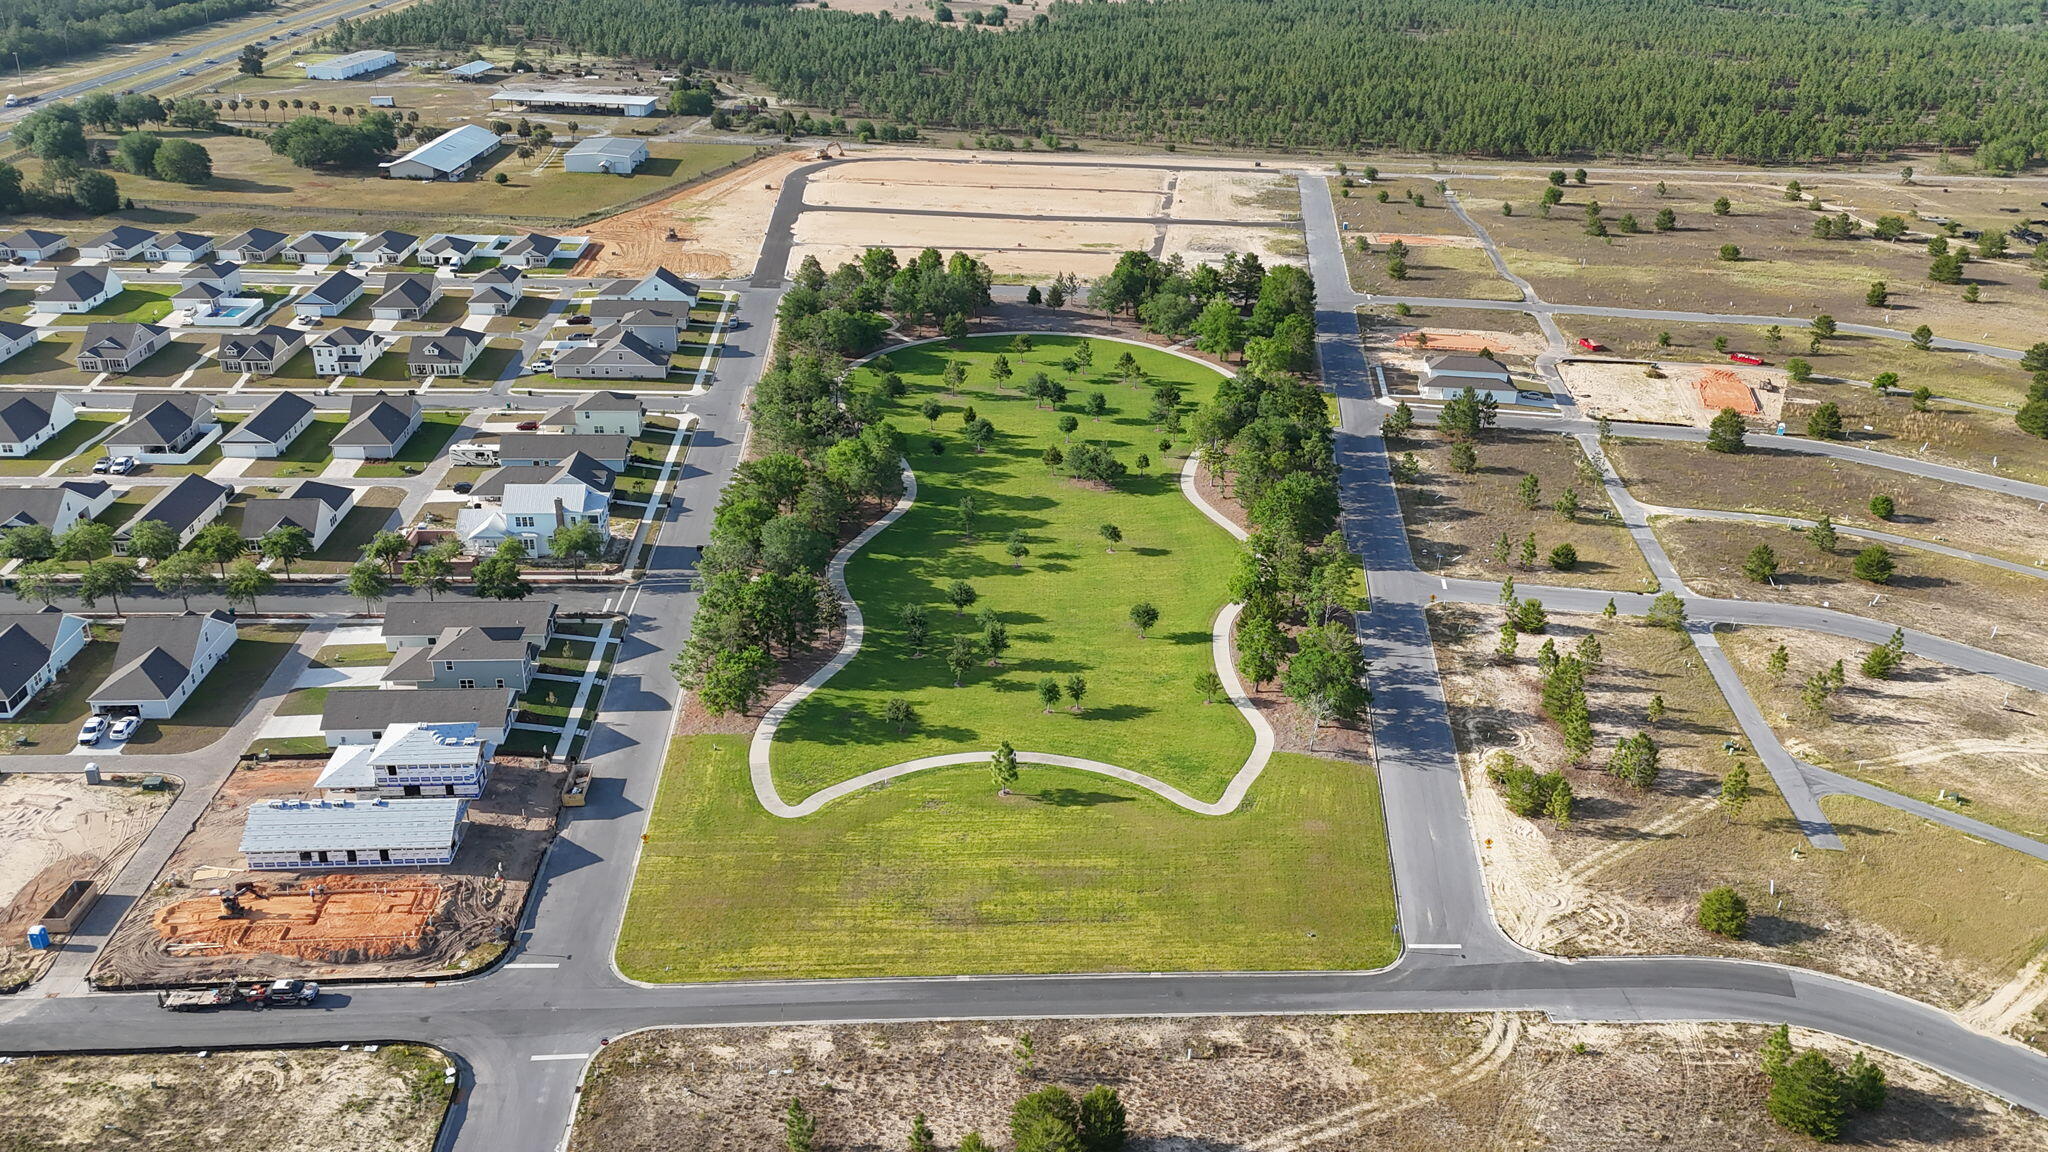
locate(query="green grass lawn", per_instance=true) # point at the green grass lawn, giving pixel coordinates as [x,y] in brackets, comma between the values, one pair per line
[936,874]
[1067,607]
[50,725]
[353,656]
[569,655]
[426,442]
[218,701]
[65,443]
[304,702]
[308,455]
[142,304]
[344,546]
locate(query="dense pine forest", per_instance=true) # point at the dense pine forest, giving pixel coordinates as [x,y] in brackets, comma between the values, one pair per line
[44,30]
[1745,79]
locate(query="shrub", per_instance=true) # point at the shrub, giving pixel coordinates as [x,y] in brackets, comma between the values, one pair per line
[1724,912]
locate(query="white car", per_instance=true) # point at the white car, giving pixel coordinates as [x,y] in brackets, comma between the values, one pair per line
[94,728]
[122,465]
[123,728]
[542,365]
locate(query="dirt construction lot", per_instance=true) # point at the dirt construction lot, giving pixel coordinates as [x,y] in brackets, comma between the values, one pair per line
[1503,1081]
[298,1100]
[58,829]
[1683,393]
[719,226]
[327,924]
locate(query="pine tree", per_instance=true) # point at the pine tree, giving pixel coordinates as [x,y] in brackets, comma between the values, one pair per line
[1635,761]
[1102,1122]
[1822,534]
[1779,660]
[1734,791]
[1724,912]
[1885,659]
[1546,656]
[1724,434]
[1863,1085]
[1806,1097]
[799,1131]
[1003,767]
[1559,806]
[1510,637]
[1761,565]
[1777,1051]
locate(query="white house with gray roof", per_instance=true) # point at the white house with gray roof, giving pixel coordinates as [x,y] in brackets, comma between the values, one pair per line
[78,290]
[331,296]
[29,419]
[261,352]
[56,507]
[160,662]
[495,291]
[617,355]
[660,285]
[184,507]
[406,296]
[659,324]
[314,507]
[377,426]
[118,345]
[347,351]
[34,648]
[178,247]
[121,242]
[538,250]
[386,247]
[159,428]
[452,250]
[16,339]
[256,246]
[364,715]
[32,246]
[328,834]
[318,247]
[449,354]
[410,760]
[271,428]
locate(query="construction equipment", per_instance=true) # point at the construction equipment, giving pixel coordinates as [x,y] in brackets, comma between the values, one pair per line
[271,994]
[825,153]
[197,999]
[283,994]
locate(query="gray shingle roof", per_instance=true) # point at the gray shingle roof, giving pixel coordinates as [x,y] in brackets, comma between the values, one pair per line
[77,285]
[181,505]
[26,640]
[24,414]
[433,617]
[406,290]
[500,643]
[620,347]
[337,287]
[264,239]
[272,342]
[351,709]
[535,242]
[578,466]
[164,418]
[120,236]
[377,421]
[450,347]
[279,415]
[560,446]
[155,655]
[116,338]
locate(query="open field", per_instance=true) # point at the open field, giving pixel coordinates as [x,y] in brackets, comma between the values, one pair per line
[1454,520]
[1065,604]
[391,1099]
[1946,736]
[1958,599]
[1626,875]
[1804,485]
[1444,257]
[58,830]
[1783,271]
[1454,1081]
[935,873]
[1945,434]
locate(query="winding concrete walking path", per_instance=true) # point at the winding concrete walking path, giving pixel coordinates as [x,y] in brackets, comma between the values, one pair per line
[760,750]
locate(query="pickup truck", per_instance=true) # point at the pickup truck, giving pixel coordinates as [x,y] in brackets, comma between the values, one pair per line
[273,994]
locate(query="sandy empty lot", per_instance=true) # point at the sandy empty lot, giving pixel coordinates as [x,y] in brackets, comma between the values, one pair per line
[1236,196]
[719,226]
[1621,391]
[58,829]
[1037,247]
[1024,191]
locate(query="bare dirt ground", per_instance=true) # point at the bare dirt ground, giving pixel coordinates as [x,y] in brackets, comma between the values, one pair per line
[1909,906]
[1020,191]
[1235,196]
[369,924]
[1973,743]
[721,223]
[1209,245]
[994,241]
[1385,337]
[58,829]
[288,1100]
[1452,1081]
[1685,393]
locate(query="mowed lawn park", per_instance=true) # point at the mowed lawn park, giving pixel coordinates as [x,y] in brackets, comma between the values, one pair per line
[936,872]
[1066,604]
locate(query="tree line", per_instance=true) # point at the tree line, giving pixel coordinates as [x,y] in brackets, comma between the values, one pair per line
[1788,80]
[61,29]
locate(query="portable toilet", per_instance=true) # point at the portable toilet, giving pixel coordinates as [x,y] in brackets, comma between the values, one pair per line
[39,938]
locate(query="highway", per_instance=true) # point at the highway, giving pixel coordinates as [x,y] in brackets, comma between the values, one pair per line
[523,1032]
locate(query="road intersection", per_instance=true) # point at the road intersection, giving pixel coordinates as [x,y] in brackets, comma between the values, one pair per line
[523,1033]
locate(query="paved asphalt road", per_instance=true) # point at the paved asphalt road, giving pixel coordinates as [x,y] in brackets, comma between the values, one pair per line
[558,995]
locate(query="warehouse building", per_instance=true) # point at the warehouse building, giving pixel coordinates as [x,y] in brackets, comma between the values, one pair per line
[350,66]
[618,103]
[607,155]
[450,156]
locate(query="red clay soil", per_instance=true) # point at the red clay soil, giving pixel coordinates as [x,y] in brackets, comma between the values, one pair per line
[318,918]
[1724,389]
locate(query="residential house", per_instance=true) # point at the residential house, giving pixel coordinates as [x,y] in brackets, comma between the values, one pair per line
[256,246]
[318,247]
[119,346]
[448,250]
[28,419]
[270,429]
[347,351]
[161,427]
[1449,374]
[178,247]
[612,451]
[495,291]
[364,715]
[578,469]
[386,247]
[161,661]
[334,293]
[417,623]
[530,513]
[536,250]
[122,242]
[56,507]
[473,657]
[377,426]
[313,506]
[32,246]
[16,339]
[658,285]
[34,648]
[224,274]
[617,355]
[184,507]
[78,290]
[410,760]
[449,354]
[659,324]
[406,296]
[261,352]
[328,834]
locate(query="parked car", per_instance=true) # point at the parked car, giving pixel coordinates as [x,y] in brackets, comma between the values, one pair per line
[122,465]
[93,728]
[544,364]
[120,730]
[529,425]
[579,318]
[462,488]
[103,464]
